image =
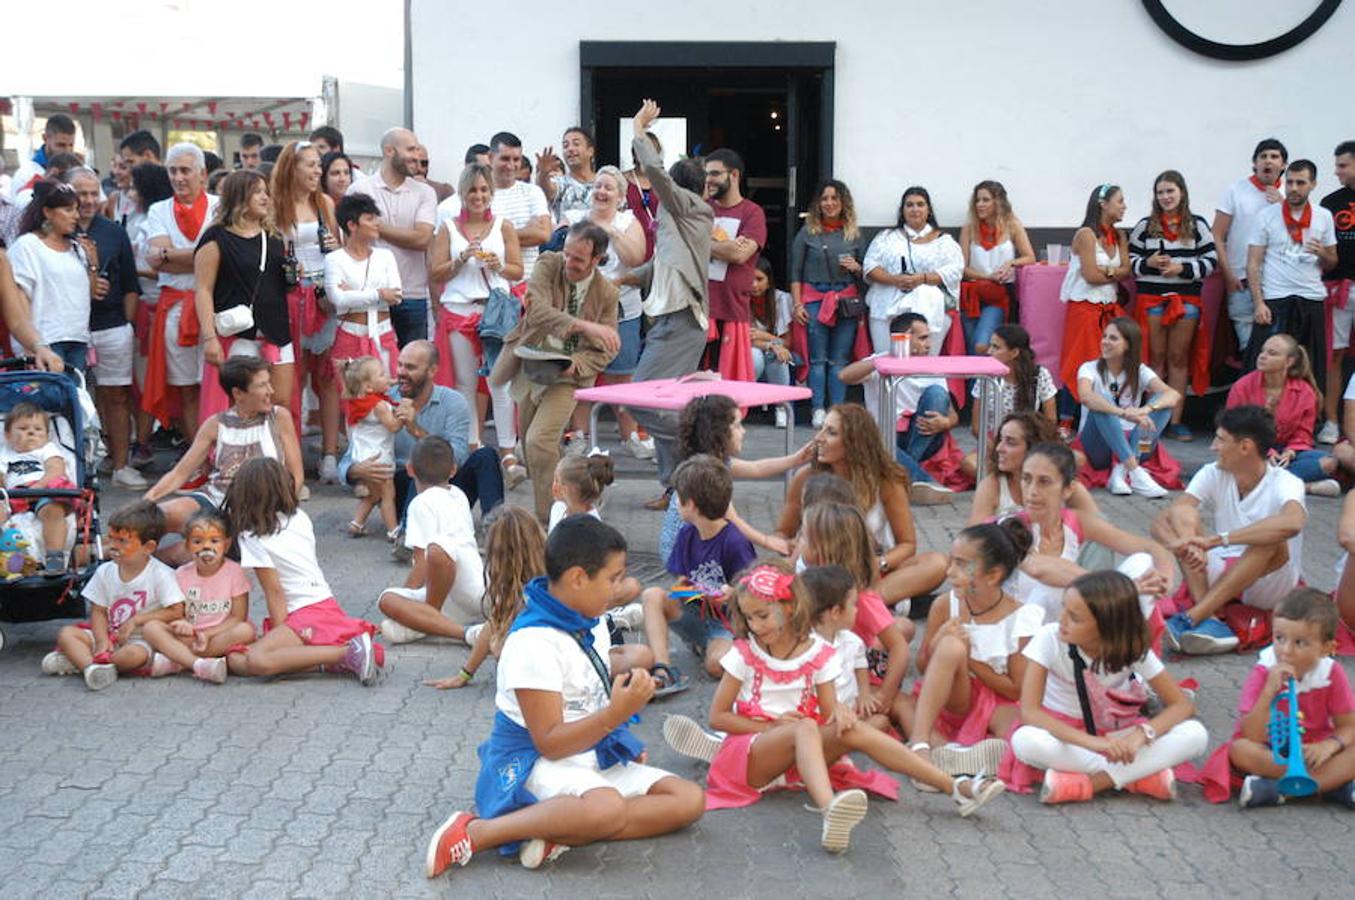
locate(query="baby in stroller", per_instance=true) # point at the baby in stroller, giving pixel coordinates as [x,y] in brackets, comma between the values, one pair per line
[31,459]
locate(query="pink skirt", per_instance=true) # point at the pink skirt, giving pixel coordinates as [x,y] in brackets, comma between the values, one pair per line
[971,727]
[325,624]
[727,784]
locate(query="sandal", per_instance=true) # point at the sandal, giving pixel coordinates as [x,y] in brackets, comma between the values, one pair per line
[924,752]
[981,790]
[660,503]
[356,529]
[668,679]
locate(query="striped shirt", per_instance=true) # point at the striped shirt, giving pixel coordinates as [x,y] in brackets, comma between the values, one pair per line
[1198,258]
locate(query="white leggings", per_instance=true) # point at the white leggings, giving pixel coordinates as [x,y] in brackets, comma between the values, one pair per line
[466,364]
[1037,747]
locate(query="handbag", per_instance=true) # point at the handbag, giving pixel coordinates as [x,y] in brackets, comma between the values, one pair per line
[240,318]
[847,307]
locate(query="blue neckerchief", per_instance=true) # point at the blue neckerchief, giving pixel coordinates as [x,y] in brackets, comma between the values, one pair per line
[41,156]
[507,757]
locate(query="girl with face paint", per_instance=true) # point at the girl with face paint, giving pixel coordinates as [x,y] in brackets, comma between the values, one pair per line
[216,607]
[971,659]
[777,704]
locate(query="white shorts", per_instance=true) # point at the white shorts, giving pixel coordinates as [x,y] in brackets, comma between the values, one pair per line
[183,364]
[576,775]
[114,351]
[462,605]
[1266,592]
[1342,320]
[248,347]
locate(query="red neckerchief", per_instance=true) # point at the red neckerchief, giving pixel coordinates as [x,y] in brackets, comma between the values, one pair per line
[831,224]
[1171,226]
[987,235]
[1110,238]
[464,216]
[190,217]
[1296,226]
[359,407]
[1256,183]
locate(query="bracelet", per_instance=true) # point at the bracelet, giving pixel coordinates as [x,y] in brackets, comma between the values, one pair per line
[469,676]
[1225,542]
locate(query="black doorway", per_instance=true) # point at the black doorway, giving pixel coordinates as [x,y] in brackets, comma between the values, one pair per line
[772,102]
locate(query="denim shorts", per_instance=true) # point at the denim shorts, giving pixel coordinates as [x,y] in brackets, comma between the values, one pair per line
[629,354]
[698,625]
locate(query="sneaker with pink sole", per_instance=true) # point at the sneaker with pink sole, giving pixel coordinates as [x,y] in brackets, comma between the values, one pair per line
[1161,785]
[1065,787]
[212,670]
[162,665]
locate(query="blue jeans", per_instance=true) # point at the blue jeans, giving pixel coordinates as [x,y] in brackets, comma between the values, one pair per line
[1307,465]
[410,320]
[74,354]
[768,369]
[829,351]
[980,330]
[1102,437]
[479,478]
[912,447]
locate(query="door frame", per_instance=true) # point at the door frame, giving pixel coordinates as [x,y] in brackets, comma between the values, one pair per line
[817,56]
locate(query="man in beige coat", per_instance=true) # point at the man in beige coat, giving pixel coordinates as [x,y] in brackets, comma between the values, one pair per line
[565,338]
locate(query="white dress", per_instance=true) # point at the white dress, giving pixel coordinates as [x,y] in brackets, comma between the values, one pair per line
[370,438]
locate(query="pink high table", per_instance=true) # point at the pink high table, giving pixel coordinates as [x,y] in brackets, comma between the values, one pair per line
[675,393]
[988,370]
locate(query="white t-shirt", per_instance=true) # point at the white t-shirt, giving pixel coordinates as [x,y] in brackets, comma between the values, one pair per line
[907,392]
[1244,203]
[57,286]
[1060,691]
[363,278]
[160,223]
[851,655]
[1350,389]
[779,698]
[440,515]
[519,204]
[291,552]
[547,659]
[1125,399]
[25,467]
[558,512]
[993,643]
[154,588]
[1289,269]
[1217,491]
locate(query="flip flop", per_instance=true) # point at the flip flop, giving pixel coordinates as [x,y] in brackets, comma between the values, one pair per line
[669,679]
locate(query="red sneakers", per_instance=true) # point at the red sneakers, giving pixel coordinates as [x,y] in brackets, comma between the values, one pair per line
[450,844]
[1065,787]
[537,851]
[1161,785]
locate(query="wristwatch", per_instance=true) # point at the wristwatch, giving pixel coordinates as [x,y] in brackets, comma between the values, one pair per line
[1149,731]
[1223,539]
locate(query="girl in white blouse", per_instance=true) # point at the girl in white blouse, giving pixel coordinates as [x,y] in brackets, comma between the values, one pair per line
[971,660]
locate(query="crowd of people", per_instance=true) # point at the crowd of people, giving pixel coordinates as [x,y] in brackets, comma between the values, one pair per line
[397,319]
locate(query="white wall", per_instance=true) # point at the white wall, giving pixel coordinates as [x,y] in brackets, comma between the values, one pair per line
[1050,98]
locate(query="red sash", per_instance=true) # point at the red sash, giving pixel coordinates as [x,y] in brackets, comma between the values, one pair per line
[1083,323]
[469,328]
[828,301]
[977,294]
[155,395]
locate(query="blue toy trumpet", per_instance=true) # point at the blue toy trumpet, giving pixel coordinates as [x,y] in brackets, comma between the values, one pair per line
[1286,744]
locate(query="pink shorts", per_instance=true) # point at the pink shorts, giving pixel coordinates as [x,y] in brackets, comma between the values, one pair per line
[325,624]
[727,784]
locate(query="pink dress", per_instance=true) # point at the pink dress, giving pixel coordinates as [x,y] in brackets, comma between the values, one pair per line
[771,688]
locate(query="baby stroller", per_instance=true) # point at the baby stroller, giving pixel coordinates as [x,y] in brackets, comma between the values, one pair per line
[27,595]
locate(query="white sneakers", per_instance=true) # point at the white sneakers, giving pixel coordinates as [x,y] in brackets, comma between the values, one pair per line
[329,469]
[1136,481]
[1328,433]
[816,420]
[1327,487]
[397,633]
[638,447]
[130,478]
[56,663]
[630,617]
[781,418]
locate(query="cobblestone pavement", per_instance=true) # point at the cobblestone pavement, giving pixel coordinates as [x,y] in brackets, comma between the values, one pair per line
[313,786]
